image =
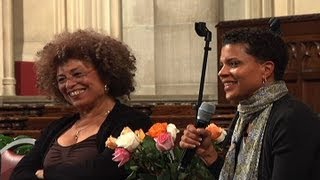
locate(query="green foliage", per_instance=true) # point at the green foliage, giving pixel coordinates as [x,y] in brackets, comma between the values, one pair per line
[149,163]
[21,149]
[4,140]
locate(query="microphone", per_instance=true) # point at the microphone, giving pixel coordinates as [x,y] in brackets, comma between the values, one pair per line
[274,25]
[202,31]
[204,115]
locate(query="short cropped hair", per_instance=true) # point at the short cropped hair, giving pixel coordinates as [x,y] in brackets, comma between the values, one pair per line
[262,44]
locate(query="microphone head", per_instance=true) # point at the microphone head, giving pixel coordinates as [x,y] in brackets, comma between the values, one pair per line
[201,29]
[205,112]
[275,26]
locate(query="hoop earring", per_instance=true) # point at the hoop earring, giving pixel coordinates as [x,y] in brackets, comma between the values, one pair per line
[264,80]
[106,88]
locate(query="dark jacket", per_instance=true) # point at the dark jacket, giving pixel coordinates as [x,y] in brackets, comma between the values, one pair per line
[102,167]
[291,143]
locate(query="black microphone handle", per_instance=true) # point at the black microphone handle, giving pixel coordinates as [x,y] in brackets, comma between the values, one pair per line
[186,159]
[189,153]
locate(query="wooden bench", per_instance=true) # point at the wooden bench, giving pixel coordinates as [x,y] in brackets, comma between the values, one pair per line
[31,124]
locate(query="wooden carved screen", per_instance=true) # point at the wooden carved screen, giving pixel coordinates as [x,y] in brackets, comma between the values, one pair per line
[302,35]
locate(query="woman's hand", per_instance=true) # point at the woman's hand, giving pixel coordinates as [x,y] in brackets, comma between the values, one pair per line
[201,139]
[39,174]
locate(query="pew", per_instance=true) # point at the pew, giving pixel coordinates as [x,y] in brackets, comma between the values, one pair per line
[30,120]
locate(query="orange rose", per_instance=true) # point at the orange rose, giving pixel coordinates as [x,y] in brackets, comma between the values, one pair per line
[111,142]
[140,134]
[157,129]
[217,133]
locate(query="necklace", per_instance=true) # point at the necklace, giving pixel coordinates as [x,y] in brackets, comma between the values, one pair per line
[76,136]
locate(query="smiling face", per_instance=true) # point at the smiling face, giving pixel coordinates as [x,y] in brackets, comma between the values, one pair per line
[240,73]
[80,84]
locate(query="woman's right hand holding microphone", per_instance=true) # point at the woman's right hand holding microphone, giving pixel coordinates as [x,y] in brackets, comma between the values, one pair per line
[202,139]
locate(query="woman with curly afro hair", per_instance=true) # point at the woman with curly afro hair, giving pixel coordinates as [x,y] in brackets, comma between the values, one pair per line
[90,71]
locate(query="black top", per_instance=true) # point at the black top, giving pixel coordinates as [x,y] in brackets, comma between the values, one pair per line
[291,143]
[73,154]
[100,167]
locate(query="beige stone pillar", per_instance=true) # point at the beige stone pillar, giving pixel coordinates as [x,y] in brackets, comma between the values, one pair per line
[116,18]
[138,33]
[290,8]
[1,49]
[253,9]
[102,15]
[179,50]
[59,16]
[8,80]
[267,8]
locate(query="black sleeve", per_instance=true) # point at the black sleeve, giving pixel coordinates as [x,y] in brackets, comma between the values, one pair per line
[30,163]
[295,144]
[216,167]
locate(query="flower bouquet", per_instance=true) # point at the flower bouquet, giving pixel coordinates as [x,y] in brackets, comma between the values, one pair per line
[153,155]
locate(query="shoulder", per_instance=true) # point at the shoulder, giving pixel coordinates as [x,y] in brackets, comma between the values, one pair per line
[62,122]
[122,116]
[292,109]
[131,117]
[291,120]
[55,127]
[49,133]
[128,112]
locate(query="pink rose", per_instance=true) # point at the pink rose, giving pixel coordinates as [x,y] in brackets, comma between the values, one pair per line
[164,142]
[121,155]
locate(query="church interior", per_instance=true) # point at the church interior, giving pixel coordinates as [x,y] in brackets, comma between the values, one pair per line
[169,53]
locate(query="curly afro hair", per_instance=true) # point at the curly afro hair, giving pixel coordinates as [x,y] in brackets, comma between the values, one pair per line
[112,59]
[263,44]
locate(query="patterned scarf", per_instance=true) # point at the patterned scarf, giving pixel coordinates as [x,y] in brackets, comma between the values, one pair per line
[254,111]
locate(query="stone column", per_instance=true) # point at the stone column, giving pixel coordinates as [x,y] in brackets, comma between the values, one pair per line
[138,33]
[267,8]
[116,18]
[253,9]
[179,50]
[1,49]
[101,15]
[59,16]
[8,80]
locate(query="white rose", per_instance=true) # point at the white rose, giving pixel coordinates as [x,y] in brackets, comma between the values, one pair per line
[128,140]
[173,130]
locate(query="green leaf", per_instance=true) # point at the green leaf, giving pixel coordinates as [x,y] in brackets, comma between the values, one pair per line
[147,162]
[23,149]
[4,140]
[131,176]
[147,176]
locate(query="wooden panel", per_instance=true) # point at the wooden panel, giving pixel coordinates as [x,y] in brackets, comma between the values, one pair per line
[32,123]
[14,133]
[311,93]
